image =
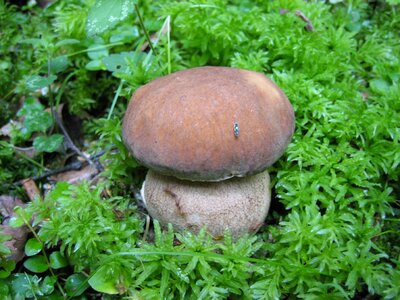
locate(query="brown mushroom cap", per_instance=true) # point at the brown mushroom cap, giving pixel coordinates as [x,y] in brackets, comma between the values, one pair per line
[237,204]
[208,123]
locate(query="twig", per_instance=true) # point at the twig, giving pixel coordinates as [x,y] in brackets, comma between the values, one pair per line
[141,22]
[27,157]
[75,166]
[31,189]
[69,140]
[309,26]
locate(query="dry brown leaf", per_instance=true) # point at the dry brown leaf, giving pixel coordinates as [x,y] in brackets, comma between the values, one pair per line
[7,205]
[31,189]
[74,177]
[17,242]
[309,26]
[28,151]
[6,129]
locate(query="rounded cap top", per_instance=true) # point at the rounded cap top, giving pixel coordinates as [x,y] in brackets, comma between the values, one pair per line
[208,123]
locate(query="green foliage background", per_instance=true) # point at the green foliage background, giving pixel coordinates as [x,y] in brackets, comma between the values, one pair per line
[333,230]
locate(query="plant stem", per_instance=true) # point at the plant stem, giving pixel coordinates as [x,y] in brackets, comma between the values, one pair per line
[169,44]
[50,91]
[30,285]
[28,224]
[59,94]
[69,140]
[115,99]
[95,48]
[144,29]
[27,158]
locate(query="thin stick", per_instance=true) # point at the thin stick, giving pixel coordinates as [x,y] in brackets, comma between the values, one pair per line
[77,165]
[27,158]
[144,29]
[309,26]
[68,138]
[95,48]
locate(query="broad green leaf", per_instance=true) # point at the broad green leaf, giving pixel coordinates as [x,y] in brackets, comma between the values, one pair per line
[33,247]
[101,283]
[36,264]
[95,65]
[16,222]
[57,260]
[20,285]
[47,286]
[38,121]
[97,51]
[4,289]
[380,86]
[76,284]
[36,82]
[117,62]
[106,14]
[48,143]
[58,64]
[4,65]
[30,105]
[7,266]
[125,34]
[26,286]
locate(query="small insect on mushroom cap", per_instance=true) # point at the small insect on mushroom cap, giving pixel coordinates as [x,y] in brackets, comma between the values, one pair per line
[181,124]
[236,129]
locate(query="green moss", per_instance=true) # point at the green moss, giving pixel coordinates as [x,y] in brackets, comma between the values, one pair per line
[337,234]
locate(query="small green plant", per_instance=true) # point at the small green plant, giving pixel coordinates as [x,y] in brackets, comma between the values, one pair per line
[85,226]
[6,265]
[36,121]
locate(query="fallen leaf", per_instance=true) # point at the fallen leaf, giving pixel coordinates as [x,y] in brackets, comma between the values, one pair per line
[7,205]
[309,26]
[31,189]
[73,177]
[6,129]
[283,11]
[28,151]
[18,235]
[17,242]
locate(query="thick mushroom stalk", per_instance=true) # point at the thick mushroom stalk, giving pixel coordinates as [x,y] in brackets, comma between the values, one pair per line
[237,204]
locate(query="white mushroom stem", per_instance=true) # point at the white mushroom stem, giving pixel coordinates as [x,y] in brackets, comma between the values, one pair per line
[237,204]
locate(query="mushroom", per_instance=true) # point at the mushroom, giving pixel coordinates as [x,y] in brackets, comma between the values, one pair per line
[241,204]
[196,129]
